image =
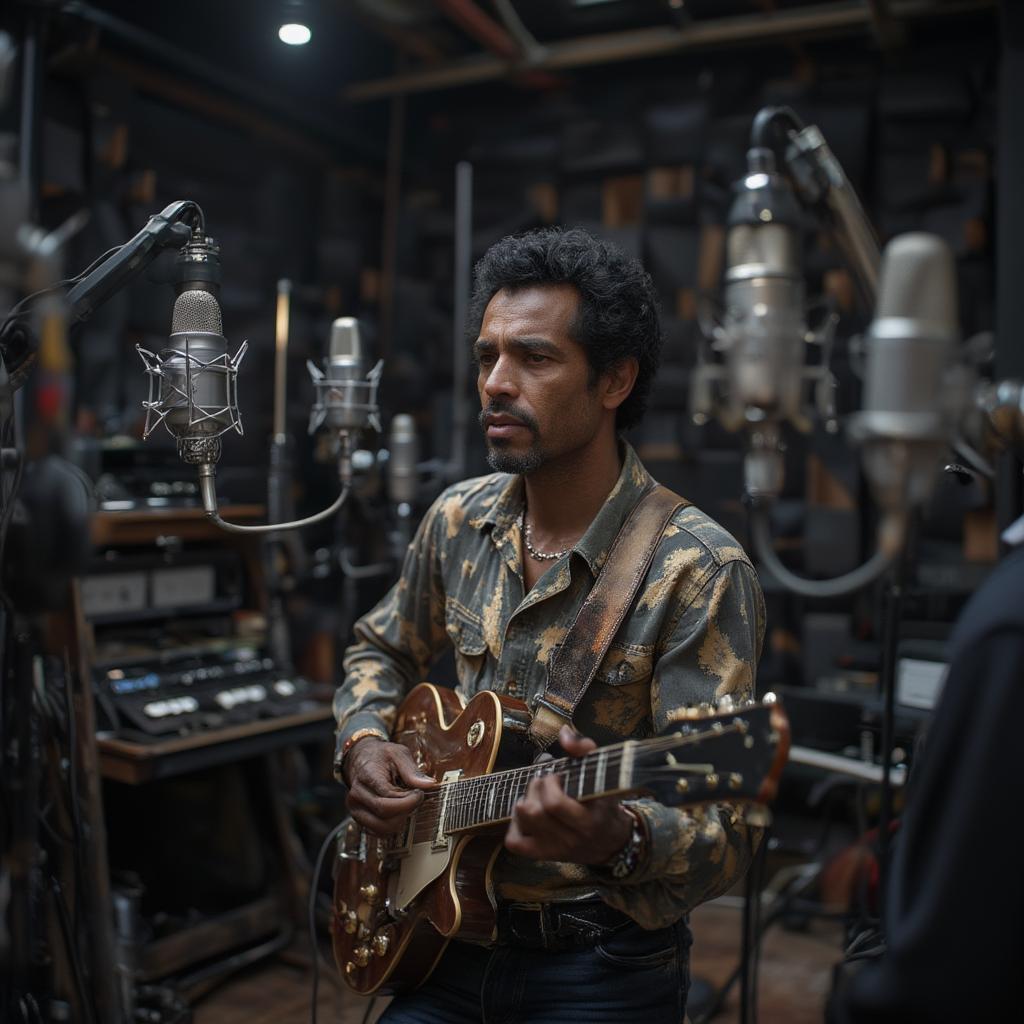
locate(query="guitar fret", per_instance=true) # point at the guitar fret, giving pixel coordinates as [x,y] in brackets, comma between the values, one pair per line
[583,778]
[602,768]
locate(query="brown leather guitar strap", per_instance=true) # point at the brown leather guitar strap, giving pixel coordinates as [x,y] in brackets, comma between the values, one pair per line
[576,661]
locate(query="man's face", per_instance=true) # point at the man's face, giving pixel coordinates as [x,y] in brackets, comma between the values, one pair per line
[537,399]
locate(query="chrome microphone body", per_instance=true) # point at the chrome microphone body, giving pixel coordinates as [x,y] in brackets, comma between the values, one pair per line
[403,458]
[763,333]
[193,381]
[346,394]
[911,396]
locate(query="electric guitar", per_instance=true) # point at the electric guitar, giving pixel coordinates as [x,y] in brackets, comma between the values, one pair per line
[400,899]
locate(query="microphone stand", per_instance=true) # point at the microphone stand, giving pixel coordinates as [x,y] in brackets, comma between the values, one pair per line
[895,595]
[277,482]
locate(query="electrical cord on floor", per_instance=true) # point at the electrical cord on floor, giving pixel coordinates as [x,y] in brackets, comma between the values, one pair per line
[314,888]
[220,970]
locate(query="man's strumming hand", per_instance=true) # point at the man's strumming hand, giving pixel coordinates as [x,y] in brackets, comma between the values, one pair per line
[384,784]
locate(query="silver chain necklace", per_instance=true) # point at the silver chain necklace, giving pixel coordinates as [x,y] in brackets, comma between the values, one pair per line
[540,556]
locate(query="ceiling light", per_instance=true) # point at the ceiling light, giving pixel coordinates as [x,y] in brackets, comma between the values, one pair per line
[294,34]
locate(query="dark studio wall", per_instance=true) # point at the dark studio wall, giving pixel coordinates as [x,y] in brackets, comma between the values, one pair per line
[643,152]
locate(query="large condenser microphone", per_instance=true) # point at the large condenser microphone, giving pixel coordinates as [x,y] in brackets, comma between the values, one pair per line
[763,332]
[908,408]
[403,457]
[193,381]
[346,395]
[403,479]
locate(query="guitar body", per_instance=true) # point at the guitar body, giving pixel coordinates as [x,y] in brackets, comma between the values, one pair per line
[399,901]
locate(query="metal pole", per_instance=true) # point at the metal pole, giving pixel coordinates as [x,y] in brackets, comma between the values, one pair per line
[284,292]
[389,244]
[1009,353]
[31,98]
[278,507]
[460,346]
[894,599]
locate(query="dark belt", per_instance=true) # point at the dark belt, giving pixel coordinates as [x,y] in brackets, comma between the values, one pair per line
[558,927]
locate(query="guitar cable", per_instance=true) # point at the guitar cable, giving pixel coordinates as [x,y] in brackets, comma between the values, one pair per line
[314,890]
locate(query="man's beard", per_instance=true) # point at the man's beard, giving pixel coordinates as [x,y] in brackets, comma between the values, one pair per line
[523,463]
[503,460]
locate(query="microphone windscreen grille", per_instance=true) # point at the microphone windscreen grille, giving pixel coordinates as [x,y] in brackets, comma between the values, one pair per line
[918,280]
[196,311]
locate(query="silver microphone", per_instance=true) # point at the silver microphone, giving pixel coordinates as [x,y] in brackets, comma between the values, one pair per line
[346,395]
[909,407]
[763,333]
[193,382]
[403,456]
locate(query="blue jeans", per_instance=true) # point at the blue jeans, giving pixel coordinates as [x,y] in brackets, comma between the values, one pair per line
[633,977]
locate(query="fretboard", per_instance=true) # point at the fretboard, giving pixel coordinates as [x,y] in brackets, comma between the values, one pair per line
[489,799]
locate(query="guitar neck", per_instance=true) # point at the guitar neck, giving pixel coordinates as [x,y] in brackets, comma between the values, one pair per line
[489,799]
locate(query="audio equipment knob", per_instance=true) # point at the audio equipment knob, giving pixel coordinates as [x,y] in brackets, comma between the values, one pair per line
[370,893]
[361,955]
[380,944]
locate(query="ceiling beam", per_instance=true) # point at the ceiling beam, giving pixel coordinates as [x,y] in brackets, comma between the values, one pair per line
[479,25]
[412,42]
[888,31]
[840,17]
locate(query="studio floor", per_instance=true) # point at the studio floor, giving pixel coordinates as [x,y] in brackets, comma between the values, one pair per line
[795,976]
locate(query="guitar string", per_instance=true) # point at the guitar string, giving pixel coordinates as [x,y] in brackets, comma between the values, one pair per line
[467,796]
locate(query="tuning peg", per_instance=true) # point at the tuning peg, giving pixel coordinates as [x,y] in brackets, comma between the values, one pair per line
[726,703]
[769,698]
[705,708]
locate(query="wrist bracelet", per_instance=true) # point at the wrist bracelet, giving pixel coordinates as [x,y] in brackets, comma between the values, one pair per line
[623,863]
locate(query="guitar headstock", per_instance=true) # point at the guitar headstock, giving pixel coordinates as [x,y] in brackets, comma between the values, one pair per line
[729,752]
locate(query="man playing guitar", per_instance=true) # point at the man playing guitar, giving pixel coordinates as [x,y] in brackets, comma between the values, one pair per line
[591,897]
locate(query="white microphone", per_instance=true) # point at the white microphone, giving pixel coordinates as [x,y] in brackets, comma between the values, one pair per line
[909,406]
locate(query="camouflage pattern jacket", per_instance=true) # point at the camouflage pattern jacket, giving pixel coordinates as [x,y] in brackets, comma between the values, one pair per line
[693,634]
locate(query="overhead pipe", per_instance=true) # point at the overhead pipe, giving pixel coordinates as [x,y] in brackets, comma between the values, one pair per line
[848,15]
[481,26]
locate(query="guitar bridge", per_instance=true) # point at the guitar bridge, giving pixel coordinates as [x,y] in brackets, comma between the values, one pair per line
[440,840]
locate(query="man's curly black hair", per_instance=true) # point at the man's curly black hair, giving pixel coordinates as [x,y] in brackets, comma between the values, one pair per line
[618,309]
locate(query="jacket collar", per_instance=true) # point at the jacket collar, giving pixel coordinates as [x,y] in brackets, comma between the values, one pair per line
[504,514]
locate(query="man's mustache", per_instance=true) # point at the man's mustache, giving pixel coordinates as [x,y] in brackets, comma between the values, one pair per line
[510,410]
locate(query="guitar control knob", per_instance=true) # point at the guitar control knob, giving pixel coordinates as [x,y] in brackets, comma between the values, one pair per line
[370,893]
[361,955]
[363,932]
[351,922]
[350,968]
[380,944]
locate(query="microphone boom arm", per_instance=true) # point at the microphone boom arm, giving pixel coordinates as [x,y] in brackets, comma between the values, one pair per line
[167,229]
